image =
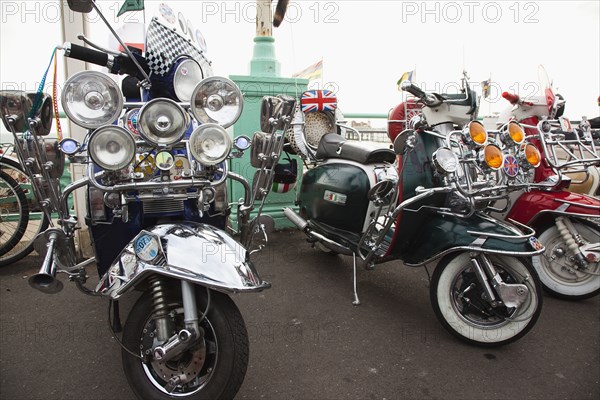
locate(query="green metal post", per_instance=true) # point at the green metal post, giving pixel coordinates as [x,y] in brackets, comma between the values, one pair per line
[264,80]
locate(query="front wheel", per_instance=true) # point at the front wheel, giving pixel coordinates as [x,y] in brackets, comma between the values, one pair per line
[213,368]
[457,299]
[558,271]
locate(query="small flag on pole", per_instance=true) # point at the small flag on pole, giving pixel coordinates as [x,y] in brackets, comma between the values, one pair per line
[131,5]
[485,92]
[407,76]
[312,73]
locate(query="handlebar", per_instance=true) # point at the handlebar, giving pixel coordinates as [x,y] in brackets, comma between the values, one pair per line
[430,100]
[88,55]
[511,97]
[116,64]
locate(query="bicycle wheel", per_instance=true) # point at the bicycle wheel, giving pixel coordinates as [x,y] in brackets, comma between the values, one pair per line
[38,221]
[14,213]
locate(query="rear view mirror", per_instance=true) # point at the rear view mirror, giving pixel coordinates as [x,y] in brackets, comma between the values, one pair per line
[81,6]
[16,105]
[405,140]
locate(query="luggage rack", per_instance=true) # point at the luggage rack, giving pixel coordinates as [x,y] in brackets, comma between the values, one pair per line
[567,148]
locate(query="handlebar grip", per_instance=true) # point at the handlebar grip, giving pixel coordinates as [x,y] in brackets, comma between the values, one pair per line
[413,89]
[86,54]
[512,98]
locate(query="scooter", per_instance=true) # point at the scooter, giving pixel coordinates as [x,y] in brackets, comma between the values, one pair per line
[421,203]
[155,184]
[585,176]
[568,223]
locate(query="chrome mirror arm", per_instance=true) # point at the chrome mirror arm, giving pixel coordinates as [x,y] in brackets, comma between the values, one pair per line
[146,82]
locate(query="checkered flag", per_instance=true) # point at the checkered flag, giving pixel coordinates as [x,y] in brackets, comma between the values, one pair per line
[164,46]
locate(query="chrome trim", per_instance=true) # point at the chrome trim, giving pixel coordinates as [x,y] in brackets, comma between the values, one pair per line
[477,250]
[220,263]
[573,203]
[565,213]
[516,238]
[180,184]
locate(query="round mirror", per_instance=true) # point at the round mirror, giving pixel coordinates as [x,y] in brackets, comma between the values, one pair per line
[404,140]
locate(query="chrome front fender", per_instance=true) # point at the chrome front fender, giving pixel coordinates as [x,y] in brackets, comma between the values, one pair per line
[198,253]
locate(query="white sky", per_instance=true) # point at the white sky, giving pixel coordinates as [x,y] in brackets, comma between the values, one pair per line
[365,45]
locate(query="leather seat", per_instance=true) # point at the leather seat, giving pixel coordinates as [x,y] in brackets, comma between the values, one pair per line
[333,145]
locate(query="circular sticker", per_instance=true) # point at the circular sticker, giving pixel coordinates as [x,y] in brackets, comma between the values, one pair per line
[511,166]
[167,13]
[182,23]
[190,30]
[146,247]
[201,41]
[164,160]
[535,243]
[131,123]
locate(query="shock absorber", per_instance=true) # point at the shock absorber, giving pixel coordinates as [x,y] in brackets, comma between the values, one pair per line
[566,230]
[160,308]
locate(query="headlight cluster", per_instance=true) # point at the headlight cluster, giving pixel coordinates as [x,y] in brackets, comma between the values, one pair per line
[94,101]
[511,153]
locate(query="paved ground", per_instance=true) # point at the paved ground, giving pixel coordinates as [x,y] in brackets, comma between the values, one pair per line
[307,340]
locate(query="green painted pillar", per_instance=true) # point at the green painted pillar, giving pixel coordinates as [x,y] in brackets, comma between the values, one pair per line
[264,80]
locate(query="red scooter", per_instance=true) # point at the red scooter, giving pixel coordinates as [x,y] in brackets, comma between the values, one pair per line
[567,223]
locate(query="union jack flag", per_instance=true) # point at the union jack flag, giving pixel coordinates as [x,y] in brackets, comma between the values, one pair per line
[511,166]
[318,100]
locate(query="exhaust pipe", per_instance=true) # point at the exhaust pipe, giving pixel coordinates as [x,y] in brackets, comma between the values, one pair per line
[302,224]
[45,281]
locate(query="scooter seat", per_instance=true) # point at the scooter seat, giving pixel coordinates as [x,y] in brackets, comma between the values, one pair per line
[333,145]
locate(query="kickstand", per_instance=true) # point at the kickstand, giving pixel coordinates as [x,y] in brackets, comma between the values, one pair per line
[356,301]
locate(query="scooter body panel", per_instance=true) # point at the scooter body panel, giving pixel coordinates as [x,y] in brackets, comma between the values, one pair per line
[439,235]
[198,253]
[532,205]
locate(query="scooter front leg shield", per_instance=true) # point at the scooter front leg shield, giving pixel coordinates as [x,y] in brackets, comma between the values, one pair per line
[440,235]
[198,253]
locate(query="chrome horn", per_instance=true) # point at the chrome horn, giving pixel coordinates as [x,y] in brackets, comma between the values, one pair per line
[48,244]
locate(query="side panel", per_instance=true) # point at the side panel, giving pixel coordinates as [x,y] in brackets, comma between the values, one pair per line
[335,194]
[529,205]
[439,233]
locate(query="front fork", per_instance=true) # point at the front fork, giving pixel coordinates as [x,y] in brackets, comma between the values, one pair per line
[509,294]
[172,346]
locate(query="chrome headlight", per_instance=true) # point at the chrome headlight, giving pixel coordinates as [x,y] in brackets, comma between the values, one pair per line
[475,134]
[187,75]
[492,156]
[111,148]
[512,133]
[162,122]
[92,99]
[217,100]
[210,144]
[445,161]
[529,156]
